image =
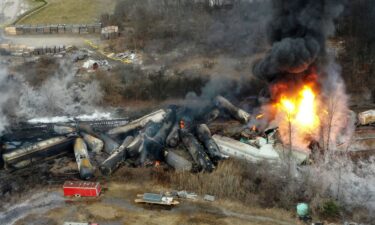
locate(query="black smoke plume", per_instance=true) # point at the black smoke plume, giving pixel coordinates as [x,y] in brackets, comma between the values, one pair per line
[297,33]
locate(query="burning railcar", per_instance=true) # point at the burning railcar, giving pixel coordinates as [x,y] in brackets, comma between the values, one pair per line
[308,97]
[154,138]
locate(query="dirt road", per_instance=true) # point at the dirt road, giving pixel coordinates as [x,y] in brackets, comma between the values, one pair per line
[36,204]
[116,206]
[48,40]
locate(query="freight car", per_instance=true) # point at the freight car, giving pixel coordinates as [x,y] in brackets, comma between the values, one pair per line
[82,189]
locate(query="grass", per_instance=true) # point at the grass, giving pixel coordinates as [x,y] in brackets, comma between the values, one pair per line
[34,3]
[35,6]
[70,12]
[249,183]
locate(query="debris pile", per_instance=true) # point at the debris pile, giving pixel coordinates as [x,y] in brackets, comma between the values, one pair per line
[92,65]
[173,137]
[128,57]
[167,198]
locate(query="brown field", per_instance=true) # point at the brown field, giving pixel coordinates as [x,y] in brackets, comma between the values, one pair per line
[116,207]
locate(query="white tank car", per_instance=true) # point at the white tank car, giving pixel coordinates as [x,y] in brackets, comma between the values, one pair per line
[86,170]
[95,144]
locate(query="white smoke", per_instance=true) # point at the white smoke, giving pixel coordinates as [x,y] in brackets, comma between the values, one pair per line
[62,94]
[4,97]
[9,89]
[96,115]
[337,123]
[59,96]
[352,184]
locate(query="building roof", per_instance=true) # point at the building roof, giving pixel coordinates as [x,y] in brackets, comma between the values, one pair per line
[80,184]
[110,29]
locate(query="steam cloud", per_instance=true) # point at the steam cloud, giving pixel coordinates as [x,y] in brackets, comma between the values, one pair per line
[5,94]
[61,94]
[337,126]
[352,184]
[297,34]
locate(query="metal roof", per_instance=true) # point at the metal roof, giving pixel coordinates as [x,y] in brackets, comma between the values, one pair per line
[152,197]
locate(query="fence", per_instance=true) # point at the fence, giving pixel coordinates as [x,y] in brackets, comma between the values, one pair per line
[54,29]
[23,50]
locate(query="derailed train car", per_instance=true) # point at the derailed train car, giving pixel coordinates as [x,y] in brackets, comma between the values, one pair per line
[146,141]
[85,168]
[49,148]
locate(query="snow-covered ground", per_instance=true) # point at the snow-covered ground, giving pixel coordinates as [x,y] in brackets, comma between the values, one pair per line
[10,9]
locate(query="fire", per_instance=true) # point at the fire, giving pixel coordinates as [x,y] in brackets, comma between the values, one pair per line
[182,124]
[301,109]
[306,115]
[288,105]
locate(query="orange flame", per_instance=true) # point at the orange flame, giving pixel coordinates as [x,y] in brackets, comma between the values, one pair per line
[302,109]
[260,116]
[182,124]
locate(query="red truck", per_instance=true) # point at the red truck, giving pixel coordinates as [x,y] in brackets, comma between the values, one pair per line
[82,189]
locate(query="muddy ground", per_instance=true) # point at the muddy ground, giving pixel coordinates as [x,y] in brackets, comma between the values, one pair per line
[116,206]
[34,195]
